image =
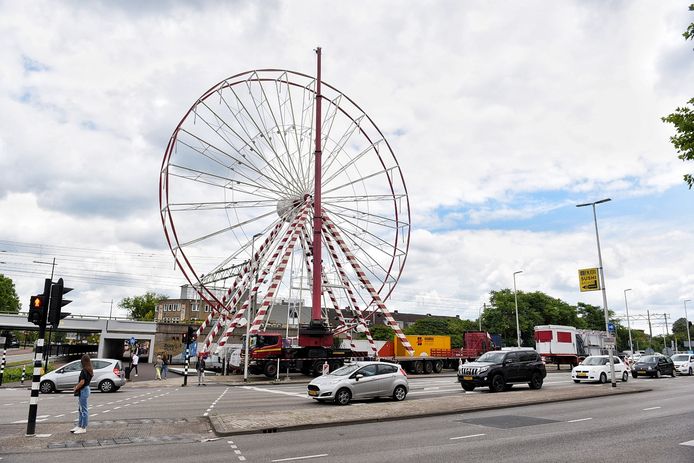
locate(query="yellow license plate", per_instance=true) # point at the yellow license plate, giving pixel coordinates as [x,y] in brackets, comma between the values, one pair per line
[313,393]
[467,378]
[582,375]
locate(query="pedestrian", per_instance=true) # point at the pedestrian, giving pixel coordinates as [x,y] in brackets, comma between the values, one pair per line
[165,365]
[200,366]
[82,392]
[135,361]
[158,365]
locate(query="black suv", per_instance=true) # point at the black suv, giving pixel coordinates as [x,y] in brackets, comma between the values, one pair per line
[500,369]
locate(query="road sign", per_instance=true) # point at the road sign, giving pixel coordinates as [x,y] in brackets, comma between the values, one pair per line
[588,279]
[610,340]
[132,341]
[610,327]
[193,349]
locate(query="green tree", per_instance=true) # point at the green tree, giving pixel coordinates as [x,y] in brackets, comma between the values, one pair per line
[9,302]
[683,120]
[591,317]
[380,332]
[142,307]
[443,326]
[679,329]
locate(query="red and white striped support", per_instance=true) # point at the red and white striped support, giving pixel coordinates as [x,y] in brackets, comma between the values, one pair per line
[350,293]
[229,326]
[237,289]
[290,241]
[306,244]
[331,228]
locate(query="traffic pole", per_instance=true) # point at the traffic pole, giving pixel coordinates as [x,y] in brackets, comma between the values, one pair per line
[185,369]
[2,365]
[38,360]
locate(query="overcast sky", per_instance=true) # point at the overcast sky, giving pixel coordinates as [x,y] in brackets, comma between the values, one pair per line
[502,115]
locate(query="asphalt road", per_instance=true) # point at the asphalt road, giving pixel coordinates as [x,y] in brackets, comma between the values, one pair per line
[648,426]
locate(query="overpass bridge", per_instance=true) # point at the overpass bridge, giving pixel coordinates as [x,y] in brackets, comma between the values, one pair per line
[113,331]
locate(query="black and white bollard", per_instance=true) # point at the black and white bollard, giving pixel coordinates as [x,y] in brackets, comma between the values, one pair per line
[185,369]
[2,365]
[24,370]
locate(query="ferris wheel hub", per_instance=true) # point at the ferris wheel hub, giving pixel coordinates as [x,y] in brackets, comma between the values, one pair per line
[288,208]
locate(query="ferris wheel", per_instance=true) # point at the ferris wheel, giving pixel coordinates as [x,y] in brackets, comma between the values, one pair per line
[274,177]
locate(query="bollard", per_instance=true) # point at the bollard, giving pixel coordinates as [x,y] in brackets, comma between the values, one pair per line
[24,369]
[2,365]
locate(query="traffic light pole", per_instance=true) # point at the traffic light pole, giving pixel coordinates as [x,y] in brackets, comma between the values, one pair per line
[185,369]
[38,358]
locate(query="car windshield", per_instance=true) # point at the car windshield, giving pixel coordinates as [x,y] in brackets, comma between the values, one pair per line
[595,361]
[680,358]
[344,371]
[649,359]
[492,357]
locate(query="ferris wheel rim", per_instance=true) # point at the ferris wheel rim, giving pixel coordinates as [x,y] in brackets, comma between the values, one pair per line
[168,222]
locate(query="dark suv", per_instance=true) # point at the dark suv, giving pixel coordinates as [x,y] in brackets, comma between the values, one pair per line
[500,369]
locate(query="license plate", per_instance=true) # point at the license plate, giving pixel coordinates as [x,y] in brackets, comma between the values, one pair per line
[312,393]
[467,378]
[642,371]
[582,375]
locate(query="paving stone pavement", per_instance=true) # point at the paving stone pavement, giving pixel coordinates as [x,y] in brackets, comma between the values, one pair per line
[332,415]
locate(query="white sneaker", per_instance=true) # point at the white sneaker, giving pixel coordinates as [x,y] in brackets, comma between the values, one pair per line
[80,431]
[74,429]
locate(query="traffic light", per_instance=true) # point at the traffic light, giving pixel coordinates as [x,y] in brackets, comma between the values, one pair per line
[191,333]
[37,309]
[57,302]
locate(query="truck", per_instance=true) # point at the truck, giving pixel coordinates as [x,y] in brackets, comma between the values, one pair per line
[568,345]
[433,353]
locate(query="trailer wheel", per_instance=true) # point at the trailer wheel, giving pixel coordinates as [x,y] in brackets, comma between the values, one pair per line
[418,367]
[334,365]
[270,369]
[317,368]
[428,367]
[438,366]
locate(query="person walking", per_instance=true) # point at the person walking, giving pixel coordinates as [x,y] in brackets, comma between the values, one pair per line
[200,366]
[158,365]
[82,392]
[165,365]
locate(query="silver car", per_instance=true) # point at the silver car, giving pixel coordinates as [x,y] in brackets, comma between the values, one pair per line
[108,376]
[360,380]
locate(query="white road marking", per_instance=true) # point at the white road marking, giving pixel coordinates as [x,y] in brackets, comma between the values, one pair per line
[58,416]
[580,419]
[437,392]
[651,408]
[467,437]
[242,458]
[689,443]
[301,458]
[271,391]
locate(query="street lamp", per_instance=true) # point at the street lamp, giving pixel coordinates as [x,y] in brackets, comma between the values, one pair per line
[479,315]
[250,307]
[515,296]
[626,305]
[602,279]
[686,325]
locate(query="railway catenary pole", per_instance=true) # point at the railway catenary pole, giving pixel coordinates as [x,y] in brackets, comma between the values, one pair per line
[317,209]
[38,357]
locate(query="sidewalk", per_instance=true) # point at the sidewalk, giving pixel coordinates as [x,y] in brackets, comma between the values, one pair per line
[326,415]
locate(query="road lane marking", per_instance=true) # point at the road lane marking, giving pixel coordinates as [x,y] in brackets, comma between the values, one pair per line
[271,391]
[301,458]
[689,443]
[58,416]
[467,437]
[651,408]
[580,419]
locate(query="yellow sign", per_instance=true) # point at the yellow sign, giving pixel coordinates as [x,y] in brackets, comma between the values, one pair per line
[588,279]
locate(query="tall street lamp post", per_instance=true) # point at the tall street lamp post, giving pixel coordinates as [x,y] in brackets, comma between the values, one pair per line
[686,325]
[250,308]
[602,279]
[626,305]
[515,296]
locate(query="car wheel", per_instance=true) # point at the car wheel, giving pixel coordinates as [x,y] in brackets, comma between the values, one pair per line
[535,381]
[634,375]
[419,367]
[603,378]
[674,372]
[690,371]
[468,387]
[399,393]
[657,373]
[47,387]
[343,396]
[438,366]
[577,381]
[497,383]
[106,386]
[625,377]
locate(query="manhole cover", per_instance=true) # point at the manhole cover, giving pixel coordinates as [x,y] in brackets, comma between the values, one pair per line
[507,421]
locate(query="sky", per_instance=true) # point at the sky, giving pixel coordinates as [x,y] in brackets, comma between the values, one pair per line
[502,116]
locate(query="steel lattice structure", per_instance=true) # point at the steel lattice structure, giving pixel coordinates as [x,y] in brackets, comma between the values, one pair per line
[241,194]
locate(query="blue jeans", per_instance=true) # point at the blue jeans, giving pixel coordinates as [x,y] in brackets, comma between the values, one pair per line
[83,407]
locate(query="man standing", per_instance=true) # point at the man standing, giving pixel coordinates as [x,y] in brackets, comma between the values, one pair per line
[200,366]
[135,361]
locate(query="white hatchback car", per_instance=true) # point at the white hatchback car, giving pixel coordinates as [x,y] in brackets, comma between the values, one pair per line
[684,363]
[597,368]
[108,376]
[360,380]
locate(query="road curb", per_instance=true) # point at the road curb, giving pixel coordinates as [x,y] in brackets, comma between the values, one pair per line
[219,427]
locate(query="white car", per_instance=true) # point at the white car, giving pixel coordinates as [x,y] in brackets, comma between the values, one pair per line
[597,368]
[684,363]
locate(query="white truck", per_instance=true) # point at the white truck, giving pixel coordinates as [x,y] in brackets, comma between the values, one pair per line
[561,344]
